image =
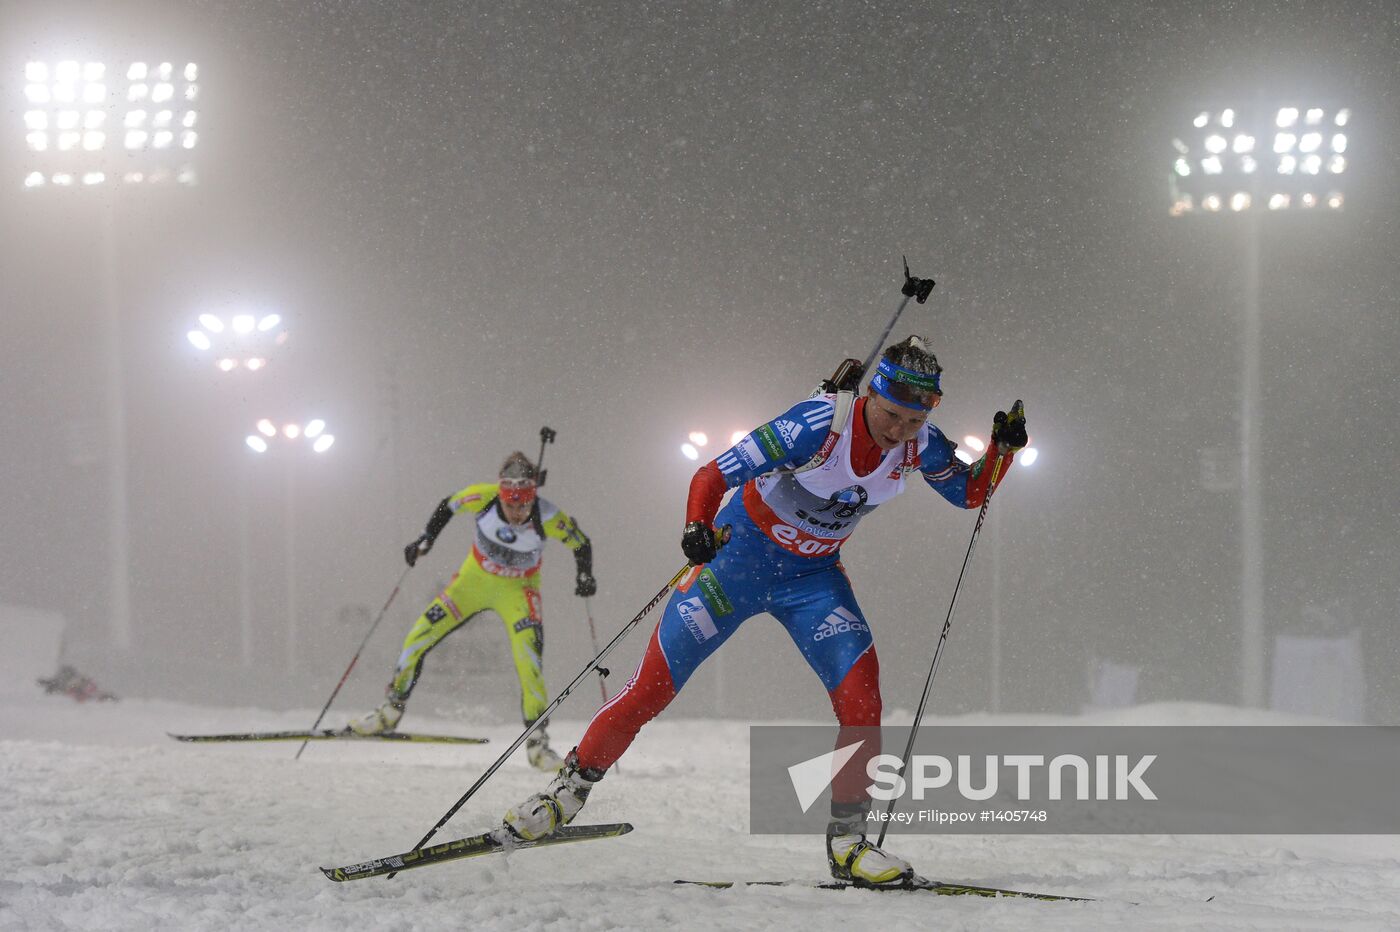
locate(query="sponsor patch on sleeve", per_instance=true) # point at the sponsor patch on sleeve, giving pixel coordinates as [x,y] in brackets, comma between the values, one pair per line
[771,444]
[750,453]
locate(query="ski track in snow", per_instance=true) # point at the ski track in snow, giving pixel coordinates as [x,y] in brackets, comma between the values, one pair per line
[109,824]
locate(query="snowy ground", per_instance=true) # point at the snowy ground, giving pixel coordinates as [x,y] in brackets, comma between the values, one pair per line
[108,824]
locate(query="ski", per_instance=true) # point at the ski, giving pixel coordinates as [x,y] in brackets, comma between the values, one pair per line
[328,734]
[471,847]
[940,887]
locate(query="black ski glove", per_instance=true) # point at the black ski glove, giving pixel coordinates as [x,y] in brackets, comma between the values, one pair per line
[1009,430]
[699,543]
[436,522]
[413,551]
[585,585]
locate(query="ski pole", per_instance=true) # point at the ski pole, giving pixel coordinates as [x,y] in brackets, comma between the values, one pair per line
[344,676]
[942,639]
[530,729]
[602,671]
[917,288]
[593,636]
[546,436]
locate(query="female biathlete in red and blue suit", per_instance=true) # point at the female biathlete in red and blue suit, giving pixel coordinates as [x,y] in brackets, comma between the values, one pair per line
[809,476]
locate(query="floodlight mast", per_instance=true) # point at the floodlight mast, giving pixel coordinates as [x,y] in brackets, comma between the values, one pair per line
[291,435]
[67,105]
[1266,152]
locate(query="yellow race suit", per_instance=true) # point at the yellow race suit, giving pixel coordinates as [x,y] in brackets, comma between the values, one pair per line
[501,575]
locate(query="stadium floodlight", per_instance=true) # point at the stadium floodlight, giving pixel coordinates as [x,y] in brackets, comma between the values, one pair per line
[1279,151]
[66,118]
[1227,118]
[1201,120]
[1240,200]
[697,440]
[247,341]
[291,434]
[975,444]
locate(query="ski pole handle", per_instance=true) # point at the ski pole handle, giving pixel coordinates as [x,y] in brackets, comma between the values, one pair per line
[918,289]
[546,436]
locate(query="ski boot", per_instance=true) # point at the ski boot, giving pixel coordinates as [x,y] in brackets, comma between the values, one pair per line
[855,860]
[540,755]
[544,812]
[385,718]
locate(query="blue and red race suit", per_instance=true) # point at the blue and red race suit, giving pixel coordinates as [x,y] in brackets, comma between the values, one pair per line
[783,558]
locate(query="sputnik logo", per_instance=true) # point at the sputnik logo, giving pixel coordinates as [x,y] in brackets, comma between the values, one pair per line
[811,777]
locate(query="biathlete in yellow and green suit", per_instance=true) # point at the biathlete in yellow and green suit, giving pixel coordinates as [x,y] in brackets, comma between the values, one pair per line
[500,575]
